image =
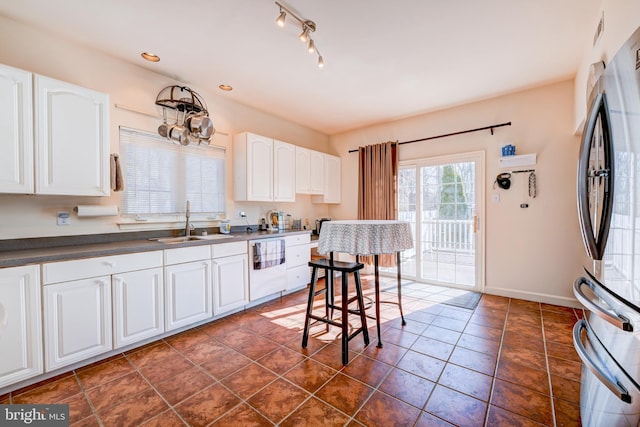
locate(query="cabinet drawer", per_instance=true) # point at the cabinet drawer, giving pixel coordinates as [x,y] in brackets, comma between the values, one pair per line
[297,256]
[65,271]
[188,254]
[298,277]
[297,239]
[227,249]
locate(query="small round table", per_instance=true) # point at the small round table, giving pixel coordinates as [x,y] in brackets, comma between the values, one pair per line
[368,237]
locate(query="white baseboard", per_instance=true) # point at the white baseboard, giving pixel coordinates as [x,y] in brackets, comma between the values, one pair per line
[534,296]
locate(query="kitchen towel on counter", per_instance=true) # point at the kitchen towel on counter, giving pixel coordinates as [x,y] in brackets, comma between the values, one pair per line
[117,181]
[96,210]
[268,254]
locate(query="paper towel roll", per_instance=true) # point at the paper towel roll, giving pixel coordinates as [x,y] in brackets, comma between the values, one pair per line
[96,210]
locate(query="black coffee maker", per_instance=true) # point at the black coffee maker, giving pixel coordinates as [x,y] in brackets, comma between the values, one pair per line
[319,225]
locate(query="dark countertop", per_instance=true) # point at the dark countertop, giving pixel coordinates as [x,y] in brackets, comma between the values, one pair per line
[19,252]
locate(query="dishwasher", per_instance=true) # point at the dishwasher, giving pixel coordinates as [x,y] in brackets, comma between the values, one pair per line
[268,268]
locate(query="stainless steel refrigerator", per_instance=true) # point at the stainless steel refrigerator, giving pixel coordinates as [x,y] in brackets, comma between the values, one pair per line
[608,190]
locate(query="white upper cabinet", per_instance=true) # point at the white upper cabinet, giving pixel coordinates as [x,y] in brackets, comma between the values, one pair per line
[332,181]
[72,139]
[264,169]
[284,172]
[16,122]
[309,171]
[253,167]
[55,136]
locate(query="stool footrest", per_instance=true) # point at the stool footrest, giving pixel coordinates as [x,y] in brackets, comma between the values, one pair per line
[345,267]
[325,320]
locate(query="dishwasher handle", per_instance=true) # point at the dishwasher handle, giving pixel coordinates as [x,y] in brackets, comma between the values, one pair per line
[605,378]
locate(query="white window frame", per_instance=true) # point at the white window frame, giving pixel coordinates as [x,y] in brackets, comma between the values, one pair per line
[172,209]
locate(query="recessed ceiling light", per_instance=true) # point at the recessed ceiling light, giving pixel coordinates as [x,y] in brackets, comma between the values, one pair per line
[226,88]
[151,57]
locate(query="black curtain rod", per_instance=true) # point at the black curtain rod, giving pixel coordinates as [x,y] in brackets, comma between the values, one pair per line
[450,134]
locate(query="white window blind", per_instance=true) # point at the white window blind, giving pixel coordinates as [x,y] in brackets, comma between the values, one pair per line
[160,177]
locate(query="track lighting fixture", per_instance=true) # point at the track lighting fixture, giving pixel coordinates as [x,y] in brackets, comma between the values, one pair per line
[281,18]
[307,27]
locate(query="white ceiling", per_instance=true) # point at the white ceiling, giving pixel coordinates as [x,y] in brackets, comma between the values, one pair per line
[385,59]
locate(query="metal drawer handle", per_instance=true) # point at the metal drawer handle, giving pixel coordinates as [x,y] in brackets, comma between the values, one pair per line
[3,317]
[610,316]
[110,264]
[605,377]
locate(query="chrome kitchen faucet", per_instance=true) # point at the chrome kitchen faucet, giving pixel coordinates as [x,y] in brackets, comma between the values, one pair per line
[187,231]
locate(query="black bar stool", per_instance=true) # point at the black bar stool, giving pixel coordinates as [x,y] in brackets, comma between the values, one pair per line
[345,268]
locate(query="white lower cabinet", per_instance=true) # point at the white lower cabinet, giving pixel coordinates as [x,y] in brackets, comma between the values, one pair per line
[187,286]
[230,284]
[298,254]
[138,306]
[230,277]
[77,321]
[92,303]
[20,324]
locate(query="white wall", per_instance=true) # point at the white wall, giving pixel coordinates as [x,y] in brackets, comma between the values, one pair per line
[29,49]
[533,253]
[621,19]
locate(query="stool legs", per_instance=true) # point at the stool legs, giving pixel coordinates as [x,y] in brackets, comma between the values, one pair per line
[307,318]
[343,324]
[363,315]
[345,317]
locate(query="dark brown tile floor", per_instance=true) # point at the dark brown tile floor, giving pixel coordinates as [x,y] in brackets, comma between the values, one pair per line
[508,362]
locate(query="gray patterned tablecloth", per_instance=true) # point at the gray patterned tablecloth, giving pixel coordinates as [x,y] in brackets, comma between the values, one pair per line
[365,237]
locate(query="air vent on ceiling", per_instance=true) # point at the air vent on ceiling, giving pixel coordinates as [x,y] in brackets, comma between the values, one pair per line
[599,30]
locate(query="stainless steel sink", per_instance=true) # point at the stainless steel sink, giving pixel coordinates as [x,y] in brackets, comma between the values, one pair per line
[214,236]
[183,239]
[180,239]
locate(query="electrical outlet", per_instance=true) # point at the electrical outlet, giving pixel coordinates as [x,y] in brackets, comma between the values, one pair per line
[243,214]
[64,218]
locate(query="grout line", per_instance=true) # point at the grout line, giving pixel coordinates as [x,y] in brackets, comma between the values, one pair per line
[546,360]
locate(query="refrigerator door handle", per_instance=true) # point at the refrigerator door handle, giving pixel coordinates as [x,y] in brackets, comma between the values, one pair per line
[605,378]
[595,236]
[617,320]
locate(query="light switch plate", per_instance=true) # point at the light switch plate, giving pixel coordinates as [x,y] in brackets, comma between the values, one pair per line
[64,218]
[495,197]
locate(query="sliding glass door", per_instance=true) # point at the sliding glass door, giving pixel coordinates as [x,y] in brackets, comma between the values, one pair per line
[442,199]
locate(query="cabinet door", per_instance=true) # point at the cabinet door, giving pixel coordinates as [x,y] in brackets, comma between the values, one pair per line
[332,179]
[298,278]
[230,284]
[331,191]
[138,306]
[20,324]
[284,172]
[77,321]
[259,168]
[303,168]
[71,140]
[187,293]
[16,122]
[316,173]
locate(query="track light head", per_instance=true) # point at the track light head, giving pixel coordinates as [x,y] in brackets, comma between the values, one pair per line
[304,36]
[320,62]
[281,18]
[312,46]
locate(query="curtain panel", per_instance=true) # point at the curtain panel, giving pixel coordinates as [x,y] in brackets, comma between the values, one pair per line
[378,187]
